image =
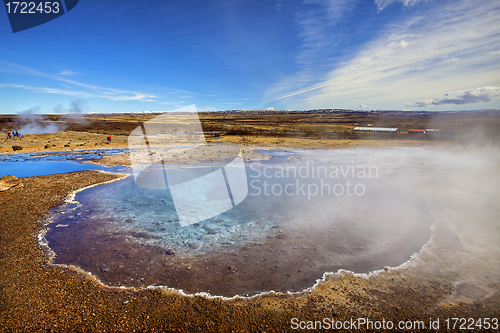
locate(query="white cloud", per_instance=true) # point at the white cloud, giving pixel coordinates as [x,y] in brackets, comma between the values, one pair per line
[469,96]
[450,60]
[116,95]
[451,48]
[407,3]
[398,41]
[91,91]
[124,96]
[45,90]
[66,73]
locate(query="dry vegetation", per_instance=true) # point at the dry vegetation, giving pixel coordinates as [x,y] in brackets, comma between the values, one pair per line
[324,128]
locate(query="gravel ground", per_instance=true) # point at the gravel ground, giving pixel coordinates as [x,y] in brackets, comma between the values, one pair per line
[38,297]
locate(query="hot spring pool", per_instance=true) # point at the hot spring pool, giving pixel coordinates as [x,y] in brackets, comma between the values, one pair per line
[273,240]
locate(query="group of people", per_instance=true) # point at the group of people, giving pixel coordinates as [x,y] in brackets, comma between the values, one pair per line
[13,135]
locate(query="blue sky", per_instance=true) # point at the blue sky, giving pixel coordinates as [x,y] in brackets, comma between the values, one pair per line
[128,56]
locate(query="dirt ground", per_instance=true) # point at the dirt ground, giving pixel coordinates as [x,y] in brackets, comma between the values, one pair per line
[62,141]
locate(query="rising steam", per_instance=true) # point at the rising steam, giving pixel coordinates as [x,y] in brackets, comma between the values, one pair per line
[32,122]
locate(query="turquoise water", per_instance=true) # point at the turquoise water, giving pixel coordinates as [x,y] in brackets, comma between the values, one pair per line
[73,155]
[131,236]
[30,169]
[49,163]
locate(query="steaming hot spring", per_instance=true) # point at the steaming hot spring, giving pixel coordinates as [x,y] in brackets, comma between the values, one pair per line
[305,213]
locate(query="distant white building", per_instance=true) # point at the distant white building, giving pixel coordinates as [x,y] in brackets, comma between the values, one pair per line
[377,129]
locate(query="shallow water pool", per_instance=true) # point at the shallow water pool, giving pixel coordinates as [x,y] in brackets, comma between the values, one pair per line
[31,169]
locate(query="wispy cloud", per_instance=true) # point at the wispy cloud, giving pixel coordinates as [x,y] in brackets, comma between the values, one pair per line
[317,22]
[91,91]
[45,90]
[407,3]
[67,73]
[452,47]
[116,95]
[469,96]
